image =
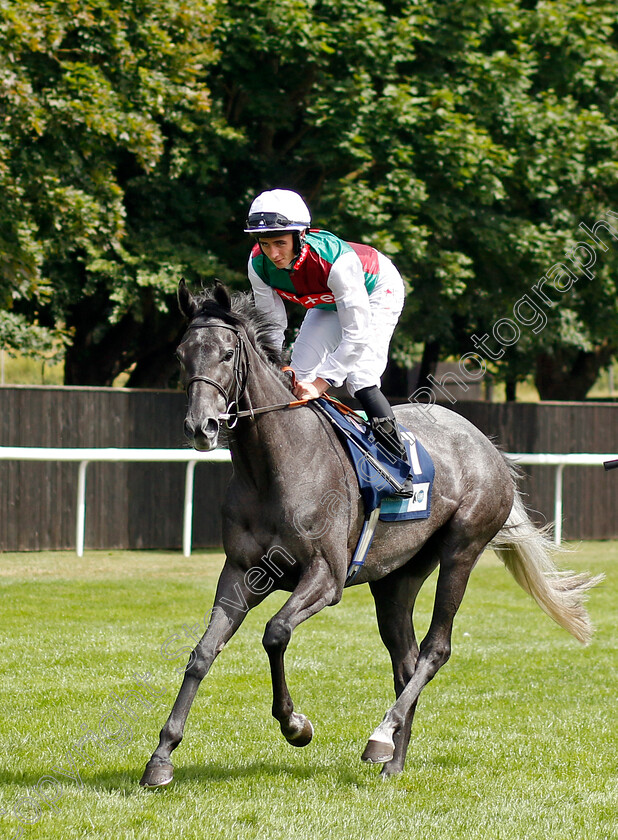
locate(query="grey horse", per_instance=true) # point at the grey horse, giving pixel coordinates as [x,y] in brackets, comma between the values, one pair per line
[292,516]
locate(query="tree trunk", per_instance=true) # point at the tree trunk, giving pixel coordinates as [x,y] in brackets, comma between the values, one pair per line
[429,364]
[92,362]
[98,354]
[568,373]
[157,369]
[395,381]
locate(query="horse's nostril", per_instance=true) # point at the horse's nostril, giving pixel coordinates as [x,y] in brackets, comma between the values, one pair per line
[210,428]
[205,428]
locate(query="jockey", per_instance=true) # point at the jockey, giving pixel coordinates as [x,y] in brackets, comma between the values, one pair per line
[353,295]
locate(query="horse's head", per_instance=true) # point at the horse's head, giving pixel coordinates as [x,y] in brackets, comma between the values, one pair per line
[214,370]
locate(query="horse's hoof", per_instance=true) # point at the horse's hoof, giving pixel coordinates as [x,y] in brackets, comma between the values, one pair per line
[304,734]
[389,770]
[378,752]
[157,774]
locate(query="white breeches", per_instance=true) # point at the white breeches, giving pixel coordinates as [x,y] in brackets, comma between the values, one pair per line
[320,334]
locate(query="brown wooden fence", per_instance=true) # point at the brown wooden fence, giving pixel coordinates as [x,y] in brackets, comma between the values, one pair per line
[140,505]
[590,494]
[128,505]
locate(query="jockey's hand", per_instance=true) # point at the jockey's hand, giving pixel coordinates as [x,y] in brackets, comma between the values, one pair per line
[311,390]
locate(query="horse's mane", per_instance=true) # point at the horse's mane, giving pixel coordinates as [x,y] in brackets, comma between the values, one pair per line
[259,328]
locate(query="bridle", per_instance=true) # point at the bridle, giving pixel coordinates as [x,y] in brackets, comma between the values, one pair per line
[232,413]
[239,381]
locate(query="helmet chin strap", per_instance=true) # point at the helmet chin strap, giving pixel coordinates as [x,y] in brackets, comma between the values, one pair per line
[299,241]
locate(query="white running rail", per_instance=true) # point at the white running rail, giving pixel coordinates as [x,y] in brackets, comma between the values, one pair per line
[86,456]
[575,459]
[192,458]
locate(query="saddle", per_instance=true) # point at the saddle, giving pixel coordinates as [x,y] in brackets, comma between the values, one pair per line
[380,474]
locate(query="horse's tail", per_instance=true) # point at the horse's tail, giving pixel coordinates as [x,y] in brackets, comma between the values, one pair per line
[527,551]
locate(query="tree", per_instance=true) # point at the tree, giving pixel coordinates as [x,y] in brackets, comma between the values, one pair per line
[96,97]
[494,140]
[468,141]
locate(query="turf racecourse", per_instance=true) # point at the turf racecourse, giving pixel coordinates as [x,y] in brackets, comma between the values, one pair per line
[515,738]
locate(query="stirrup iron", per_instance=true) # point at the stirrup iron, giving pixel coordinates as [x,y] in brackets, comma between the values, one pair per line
[388,437]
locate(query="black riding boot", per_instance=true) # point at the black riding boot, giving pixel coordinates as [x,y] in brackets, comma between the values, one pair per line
[385,428]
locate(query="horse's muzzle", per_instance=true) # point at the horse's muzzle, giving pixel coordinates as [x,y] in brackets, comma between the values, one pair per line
[202,436]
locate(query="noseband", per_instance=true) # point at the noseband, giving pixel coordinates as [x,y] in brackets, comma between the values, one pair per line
[240,377]
[240,383]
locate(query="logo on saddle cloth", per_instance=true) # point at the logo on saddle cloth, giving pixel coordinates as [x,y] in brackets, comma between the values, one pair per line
[375,489]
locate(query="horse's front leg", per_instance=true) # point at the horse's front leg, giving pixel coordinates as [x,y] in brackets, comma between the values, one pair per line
[232,602]
[316,589]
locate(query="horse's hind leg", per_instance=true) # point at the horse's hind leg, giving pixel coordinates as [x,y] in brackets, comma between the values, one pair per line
[394,598]
[315,590]
[457,554]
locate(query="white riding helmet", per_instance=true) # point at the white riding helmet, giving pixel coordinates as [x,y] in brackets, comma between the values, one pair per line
[278,211]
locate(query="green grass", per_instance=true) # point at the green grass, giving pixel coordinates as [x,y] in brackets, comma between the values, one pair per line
[515,738]
[23,370]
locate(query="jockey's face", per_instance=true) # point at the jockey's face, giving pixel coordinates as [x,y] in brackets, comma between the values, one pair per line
[279,249]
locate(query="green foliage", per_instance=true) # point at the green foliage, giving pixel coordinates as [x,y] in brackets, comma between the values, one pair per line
[467,140]
[91,94]
[17,334]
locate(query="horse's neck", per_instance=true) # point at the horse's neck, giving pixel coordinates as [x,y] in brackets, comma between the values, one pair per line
[275,443]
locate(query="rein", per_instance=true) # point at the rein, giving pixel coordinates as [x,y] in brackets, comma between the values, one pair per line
[240,383]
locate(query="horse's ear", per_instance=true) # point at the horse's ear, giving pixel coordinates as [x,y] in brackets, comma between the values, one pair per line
[186,301]
[222,296]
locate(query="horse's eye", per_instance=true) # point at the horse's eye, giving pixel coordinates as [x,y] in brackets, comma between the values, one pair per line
[228,355]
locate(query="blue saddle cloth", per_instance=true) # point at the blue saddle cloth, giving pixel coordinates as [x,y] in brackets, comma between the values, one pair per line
[374,487]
